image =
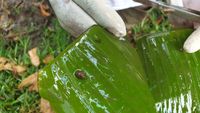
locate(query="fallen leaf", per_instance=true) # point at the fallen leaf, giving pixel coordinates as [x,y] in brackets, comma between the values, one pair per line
[6,64]
[18,69]
[45,106]
[44,9]
[4,21]
[14,36]
[3,59]
[3,62]
[30,81]
[48,59]
[34,57]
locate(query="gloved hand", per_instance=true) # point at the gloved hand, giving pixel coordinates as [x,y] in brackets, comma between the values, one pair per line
[76,16]
[192,44]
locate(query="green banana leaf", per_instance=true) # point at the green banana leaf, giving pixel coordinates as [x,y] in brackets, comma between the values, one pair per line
[173,75]
[97,74]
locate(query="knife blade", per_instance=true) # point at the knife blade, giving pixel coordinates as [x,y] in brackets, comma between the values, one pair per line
[188,14]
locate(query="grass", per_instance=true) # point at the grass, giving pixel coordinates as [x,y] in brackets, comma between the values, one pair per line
[13,100]
[155,21]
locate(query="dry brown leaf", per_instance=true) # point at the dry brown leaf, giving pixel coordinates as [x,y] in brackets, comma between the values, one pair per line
[48,59]
[45,106]
[18,69]
[44,10]
[35,60]
[4,21]
[30,81]
[6,64]
[14,36]
[3,62]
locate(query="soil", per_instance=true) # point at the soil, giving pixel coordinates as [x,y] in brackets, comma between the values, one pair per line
[19,17]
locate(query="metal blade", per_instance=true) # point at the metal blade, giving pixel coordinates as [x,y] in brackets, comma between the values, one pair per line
[185,13]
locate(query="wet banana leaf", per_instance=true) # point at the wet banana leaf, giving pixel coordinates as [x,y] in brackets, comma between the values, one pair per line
[96,74]
[173,75]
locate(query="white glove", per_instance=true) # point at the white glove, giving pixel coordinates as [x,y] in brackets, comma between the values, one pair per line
[76,16]
[122,4]
[192,44]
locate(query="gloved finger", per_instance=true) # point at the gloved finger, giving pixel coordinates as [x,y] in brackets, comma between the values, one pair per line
[71,17]
[192,44]
[104,15]
[122,4]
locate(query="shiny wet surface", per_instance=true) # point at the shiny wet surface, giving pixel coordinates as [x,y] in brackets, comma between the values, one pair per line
[114,82]
[173,75]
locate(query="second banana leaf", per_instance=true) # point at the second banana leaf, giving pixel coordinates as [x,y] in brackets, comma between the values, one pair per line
[173,76]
